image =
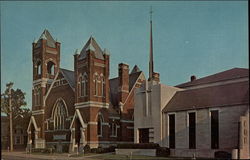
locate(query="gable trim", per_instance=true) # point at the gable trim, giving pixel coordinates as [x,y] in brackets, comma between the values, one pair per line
[78,114]
[47,94]
[32,120]
[132,88]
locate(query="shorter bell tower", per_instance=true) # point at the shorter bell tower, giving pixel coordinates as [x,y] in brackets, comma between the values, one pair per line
[91,67]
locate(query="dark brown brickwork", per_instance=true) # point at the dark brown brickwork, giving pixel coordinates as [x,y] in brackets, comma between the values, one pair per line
[91,70]
[123,89]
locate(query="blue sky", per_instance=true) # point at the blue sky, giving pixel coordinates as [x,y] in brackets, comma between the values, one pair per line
[190,38]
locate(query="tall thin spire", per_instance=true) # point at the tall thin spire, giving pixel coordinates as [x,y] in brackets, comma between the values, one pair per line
[151,62]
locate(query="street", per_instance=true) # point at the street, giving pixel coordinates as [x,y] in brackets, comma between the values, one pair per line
[9,157]
[25,156]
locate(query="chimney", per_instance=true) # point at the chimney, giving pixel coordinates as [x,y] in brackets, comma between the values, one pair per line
[76,74]
[123,82]
[156,77]
[193,78]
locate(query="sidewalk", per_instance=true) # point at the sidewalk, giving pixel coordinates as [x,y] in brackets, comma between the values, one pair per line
[55,156]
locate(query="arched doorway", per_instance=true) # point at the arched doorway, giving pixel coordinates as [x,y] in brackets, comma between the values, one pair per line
[32,136]
[77,132]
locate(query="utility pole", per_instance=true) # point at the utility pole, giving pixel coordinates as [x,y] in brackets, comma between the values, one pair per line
[11,125]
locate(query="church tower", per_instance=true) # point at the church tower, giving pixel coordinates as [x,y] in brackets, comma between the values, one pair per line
[46,61]
[91,67]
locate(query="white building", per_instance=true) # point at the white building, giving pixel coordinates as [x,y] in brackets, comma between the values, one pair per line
[211,114]
[200,117]
[197,118]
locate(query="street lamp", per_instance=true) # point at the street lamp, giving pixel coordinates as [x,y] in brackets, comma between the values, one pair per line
[10,113]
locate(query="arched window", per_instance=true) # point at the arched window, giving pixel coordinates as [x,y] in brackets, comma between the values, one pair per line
[102,87]
[39,68]
[96,81]
[99,125]
[113,129]
[59,116]
[37,96]
[82,85]
[51,68]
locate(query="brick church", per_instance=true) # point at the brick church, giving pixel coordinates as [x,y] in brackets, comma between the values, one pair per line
[73,108]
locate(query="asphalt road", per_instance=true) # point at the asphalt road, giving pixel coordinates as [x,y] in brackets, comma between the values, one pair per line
[24,157]
[8,157]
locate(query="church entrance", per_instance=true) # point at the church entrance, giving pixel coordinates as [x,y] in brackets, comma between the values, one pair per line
[77,127]
[32,136]
[144,135]
[77,132]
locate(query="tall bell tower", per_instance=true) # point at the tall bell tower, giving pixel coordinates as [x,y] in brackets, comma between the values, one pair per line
[46,62]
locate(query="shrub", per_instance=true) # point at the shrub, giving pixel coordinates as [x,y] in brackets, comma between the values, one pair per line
[93,150]
[222,154]
[42,150]
[87,149]
[162,152]
[111,148]
[138,146]
[65,148]
[100,150]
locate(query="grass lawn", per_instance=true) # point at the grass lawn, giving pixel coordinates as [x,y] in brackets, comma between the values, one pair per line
[113,156]
[124,157]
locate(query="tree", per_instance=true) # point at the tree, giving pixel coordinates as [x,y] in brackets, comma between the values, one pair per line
[17,102]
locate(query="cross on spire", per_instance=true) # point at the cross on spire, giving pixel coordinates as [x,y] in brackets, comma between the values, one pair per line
[151,12]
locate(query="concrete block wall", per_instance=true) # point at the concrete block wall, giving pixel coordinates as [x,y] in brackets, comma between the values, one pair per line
[228,131]
[203,138]
[157,100]
[181,130]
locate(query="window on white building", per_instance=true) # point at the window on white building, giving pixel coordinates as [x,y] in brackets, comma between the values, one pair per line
[214,129]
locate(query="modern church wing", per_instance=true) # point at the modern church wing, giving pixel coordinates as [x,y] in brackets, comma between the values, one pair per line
[210,97]
[228,75]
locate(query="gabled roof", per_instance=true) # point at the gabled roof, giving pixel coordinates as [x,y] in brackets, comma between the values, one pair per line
[114,84]
[221,76]
[46,35]
[135,69]
[93,46]
[214,96]
[69,76]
